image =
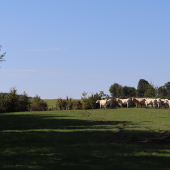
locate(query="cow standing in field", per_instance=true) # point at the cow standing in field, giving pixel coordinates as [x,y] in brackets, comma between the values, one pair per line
[123,102]
[149,101]
[138,101]
[158,102]
[168,102]
[164,102]
[109,102]
[104,103]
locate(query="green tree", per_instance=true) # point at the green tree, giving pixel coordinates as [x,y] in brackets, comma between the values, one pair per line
[13,98]
[119,91]
[92,101]
[2,55]
[167,87]
[102,95]
[142,84]
[132,92]
[113,89]
[150,91]
[128,91]
[85,101]
[125,91]
[38,104]
[162,92]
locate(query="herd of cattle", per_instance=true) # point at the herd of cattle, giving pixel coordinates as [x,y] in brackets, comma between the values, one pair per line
[139,102]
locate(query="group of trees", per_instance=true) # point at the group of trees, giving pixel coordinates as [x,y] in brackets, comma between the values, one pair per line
[13,102]
[86,102]
[144,89]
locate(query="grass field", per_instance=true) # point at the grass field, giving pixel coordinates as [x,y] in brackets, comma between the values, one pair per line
[125,139]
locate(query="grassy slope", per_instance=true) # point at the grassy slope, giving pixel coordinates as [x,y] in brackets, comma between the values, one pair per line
[81,139]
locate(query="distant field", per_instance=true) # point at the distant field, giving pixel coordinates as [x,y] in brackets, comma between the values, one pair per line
[52,102]
[125,139]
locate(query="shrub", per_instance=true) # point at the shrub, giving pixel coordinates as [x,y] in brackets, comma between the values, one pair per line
[77,105]
[4,103]
[61,104]
[24,102]
[92,101]
[86,104]
[69,103]
[38,104]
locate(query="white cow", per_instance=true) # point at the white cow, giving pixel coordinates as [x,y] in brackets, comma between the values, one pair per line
[168,102]
[109,102]
[138,101]
[149,101]
[123,102]
[103,103]
[158,100]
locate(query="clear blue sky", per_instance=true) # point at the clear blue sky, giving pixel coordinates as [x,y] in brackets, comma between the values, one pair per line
[56,48]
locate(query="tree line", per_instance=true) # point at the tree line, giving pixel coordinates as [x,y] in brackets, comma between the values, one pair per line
[13,102]
[144,89]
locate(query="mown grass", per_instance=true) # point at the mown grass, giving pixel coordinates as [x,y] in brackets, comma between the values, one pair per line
[86,139]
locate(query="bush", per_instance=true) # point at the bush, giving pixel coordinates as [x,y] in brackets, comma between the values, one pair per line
[4,103]
[69,103]
[38,104]
[61,104]
[24,102]
[77,105]
[92,101]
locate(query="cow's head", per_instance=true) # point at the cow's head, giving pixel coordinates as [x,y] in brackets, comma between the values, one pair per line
[98,101]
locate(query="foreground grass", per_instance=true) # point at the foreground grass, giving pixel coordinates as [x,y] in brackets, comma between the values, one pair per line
[83,139]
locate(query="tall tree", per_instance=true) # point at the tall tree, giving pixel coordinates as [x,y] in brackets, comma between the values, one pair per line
[162,92]
[2,55]
[142,84]
[113,89]
[167,87]
[129,91]
[150,91]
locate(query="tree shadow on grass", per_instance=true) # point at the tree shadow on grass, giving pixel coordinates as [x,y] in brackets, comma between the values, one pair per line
[34,122]
[83,150]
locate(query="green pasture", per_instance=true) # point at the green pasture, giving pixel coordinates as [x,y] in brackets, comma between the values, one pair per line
[125,139]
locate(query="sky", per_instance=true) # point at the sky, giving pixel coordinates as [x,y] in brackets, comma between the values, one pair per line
[59,48]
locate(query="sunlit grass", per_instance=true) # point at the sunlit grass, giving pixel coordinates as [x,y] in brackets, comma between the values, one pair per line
[83,139]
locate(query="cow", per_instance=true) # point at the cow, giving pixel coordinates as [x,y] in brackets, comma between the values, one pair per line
[138,101]
[164,102]
[149,101]
[168,102]
[104,103]
[123,102]
[158,100]
[109,102]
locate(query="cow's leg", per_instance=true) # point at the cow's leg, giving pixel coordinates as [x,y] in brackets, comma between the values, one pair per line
[158,106]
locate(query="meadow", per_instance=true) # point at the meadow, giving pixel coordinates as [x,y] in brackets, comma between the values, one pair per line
[128,139]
